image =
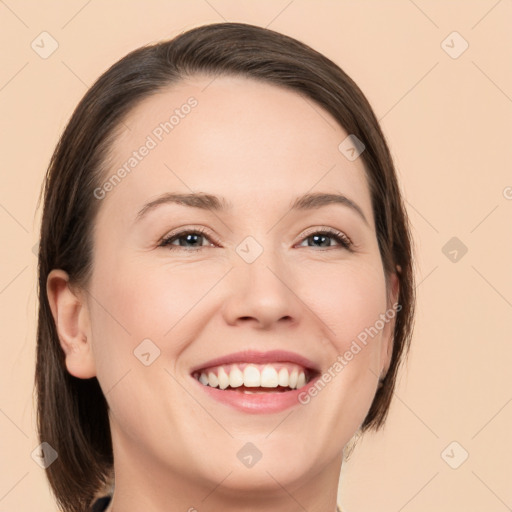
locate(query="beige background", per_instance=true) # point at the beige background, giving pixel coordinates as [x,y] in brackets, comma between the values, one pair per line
[449,125]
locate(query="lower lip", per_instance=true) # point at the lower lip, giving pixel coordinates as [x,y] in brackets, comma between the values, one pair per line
[257,403]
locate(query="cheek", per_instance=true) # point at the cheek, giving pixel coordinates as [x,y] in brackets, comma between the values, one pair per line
[349,301]
[137,300]
[158,297]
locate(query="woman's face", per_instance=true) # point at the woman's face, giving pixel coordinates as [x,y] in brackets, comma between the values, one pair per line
[261,285]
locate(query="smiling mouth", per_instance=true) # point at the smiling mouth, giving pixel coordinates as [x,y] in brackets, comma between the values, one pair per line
[249,378]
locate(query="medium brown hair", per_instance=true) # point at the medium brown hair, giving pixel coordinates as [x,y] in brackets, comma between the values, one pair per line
[72,412]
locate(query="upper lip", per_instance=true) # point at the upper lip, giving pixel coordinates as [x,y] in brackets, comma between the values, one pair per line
[254,356]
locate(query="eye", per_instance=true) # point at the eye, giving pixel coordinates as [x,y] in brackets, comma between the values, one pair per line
[194,237]
[320,238]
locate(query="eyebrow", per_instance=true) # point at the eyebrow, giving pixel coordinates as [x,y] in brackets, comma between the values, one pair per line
[220,204]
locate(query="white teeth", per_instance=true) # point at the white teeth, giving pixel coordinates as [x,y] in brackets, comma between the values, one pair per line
[252,377]
[213,380]
[292,381]
[269,377]
[236,377]
[283,377]
[223,378]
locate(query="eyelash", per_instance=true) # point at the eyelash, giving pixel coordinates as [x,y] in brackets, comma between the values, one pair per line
[340,237]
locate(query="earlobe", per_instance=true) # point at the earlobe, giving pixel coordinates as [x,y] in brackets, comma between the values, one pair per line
[71,318]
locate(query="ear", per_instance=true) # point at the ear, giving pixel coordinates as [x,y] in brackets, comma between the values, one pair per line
[389,328]
[71,317]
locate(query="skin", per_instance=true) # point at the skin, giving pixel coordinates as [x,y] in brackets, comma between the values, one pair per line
[175,447]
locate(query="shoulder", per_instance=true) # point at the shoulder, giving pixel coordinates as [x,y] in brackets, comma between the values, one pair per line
[101,504]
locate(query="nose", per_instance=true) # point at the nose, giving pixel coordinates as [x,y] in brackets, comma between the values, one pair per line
[263,293]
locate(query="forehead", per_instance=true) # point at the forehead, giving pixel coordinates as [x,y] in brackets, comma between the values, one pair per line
[232,136]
